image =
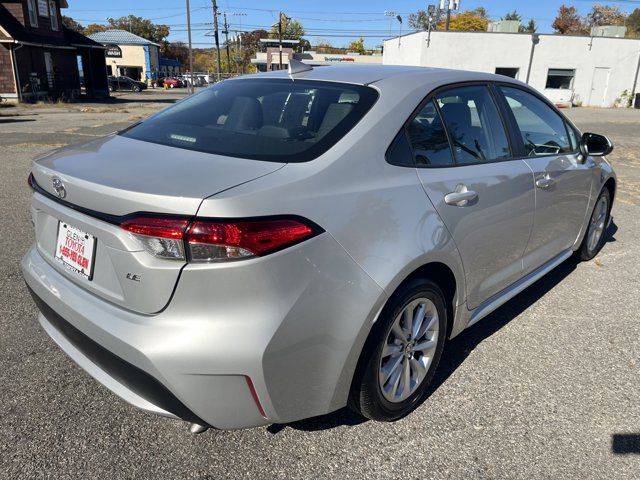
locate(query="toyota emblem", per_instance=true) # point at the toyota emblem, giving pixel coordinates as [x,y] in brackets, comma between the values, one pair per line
[58,187]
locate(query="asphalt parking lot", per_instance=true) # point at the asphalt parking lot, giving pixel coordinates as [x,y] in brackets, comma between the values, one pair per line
[548,386]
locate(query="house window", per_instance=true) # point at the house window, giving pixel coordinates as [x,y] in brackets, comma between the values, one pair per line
[33,15]
[560,78]
[53,12]
[508,72]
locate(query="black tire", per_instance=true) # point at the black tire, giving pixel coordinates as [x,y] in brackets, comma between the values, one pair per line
[111,89]
[586,253]
[366,395]
[136,88]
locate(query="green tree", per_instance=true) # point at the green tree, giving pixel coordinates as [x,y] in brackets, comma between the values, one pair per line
[357,46]
[514,16]
[291,29]
[633,23]
[71,24]
[530,27]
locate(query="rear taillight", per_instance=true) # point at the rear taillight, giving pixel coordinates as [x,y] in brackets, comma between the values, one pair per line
[217,240]
[161,237]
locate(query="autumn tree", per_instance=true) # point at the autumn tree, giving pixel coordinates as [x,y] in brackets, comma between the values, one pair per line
[142,27]
[324,46]
[71,24]
[177,50]
[251,44]
[291,29]
[605,15]
[94,28]
[568,21]
[469,21]
[357,46]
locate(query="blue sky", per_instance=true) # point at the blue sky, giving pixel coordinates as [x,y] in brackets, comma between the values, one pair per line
[337,21]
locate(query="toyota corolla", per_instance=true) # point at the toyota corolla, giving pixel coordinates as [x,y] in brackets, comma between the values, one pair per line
[282,245]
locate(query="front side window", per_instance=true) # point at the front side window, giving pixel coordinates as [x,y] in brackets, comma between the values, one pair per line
[428,138]
[474,125]
[543,131]
[560,78]
[53,14]
[33,15]
[279,120]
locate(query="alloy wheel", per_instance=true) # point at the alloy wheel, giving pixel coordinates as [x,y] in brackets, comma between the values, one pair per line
[408,350]
[597,223]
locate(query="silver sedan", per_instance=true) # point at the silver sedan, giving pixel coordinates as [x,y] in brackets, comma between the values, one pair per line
[282,245]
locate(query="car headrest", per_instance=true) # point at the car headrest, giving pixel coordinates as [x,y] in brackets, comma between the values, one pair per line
[457,113]
[245,114]
[335,113]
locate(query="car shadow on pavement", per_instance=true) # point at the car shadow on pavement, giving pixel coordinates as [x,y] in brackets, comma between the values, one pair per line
[625,443]
[457,350]
[15,120]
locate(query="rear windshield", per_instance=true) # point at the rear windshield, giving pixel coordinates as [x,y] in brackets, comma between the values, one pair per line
[279,120]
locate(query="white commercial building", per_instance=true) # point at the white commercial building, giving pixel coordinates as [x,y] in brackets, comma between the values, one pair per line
[270,58]
[578,70]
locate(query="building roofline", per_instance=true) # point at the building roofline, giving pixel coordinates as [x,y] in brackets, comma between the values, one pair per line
[275,40]
[507,33]
[112,31]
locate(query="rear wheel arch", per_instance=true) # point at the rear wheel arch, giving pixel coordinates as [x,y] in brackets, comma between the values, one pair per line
[441,278]
[440,274]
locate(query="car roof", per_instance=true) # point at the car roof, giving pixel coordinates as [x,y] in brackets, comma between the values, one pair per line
[368,74]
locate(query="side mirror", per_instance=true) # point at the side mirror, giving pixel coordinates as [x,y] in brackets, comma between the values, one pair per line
[592,144]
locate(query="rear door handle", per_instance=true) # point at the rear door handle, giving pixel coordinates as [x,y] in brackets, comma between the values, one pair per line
[460,197]
[545,182]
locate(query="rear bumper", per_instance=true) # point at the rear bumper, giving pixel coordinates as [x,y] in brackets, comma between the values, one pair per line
[132,384]
[293,322]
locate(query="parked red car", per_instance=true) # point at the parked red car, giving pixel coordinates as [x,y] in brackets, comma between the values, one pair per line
[173,83]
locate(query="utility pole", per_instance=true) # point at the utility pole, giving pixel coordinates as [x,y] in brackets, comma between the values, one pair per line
[217,38]
[190,49]
[391,15]
[449,5]
[226,41]
[280,38]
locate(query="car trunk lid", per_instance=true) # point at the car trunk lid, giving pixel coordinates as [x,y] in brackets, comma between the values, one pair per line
[91,188]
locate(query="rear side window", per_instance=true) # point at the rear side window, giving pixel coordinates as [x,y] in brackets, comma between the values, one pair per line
[280,120]
[474,125]
[428,138]
[543,131]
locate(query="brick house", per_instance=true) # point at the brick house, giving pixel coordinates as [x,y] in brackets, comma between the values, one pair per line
[40,58]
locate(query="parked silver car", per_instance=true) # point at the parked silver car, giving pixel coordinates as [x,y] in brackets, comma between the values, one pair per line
[282,245]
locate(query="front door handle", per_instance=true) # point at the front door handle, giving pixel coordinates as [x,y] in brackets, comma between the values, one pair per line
[545,182]
[460,197]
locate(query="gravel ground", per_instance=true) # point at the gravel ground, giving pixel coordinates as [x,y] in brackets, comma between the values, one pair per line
[538,389]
